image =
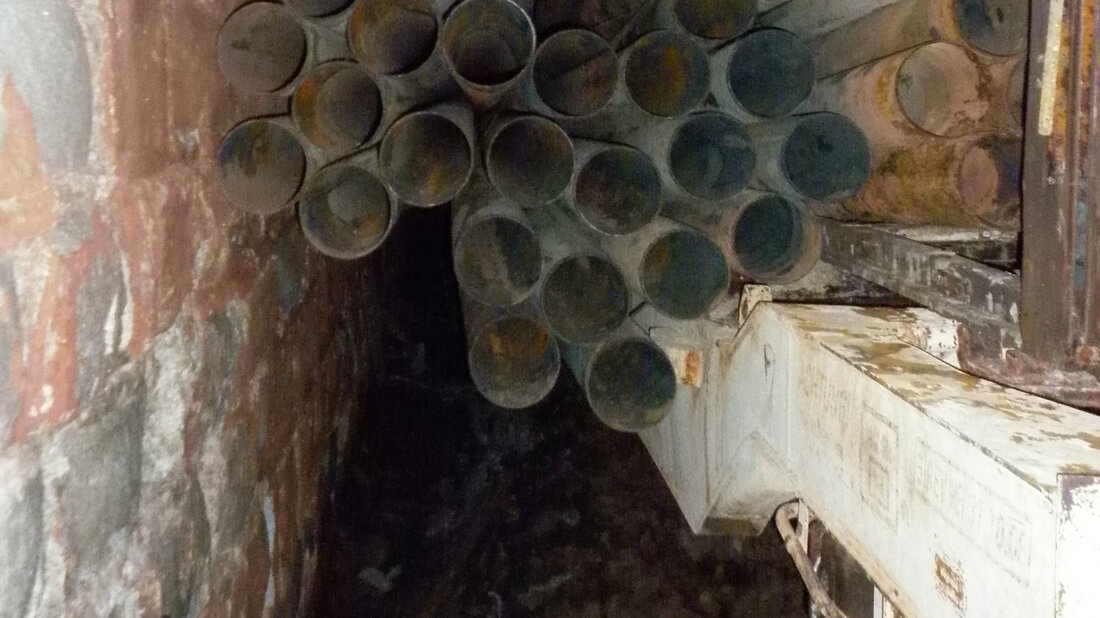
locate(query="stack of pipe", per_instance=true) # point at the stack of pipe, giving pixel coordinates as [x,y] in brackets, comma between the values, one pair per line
[938,88]
[664,162]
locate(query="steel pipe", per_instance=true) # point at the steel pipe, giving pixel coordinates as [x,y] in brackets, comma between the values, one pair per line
[607,18]
[762,75]
[528,159]
[427,156]
[819,157]
[338,106]
[583,297]
[264,48]
[615,189]
[997,27]
[673,267]
[488,45]
[898,101]
[970,182]
[497,255]
[764,236]
[514,361]
[628,380]
[706,156]
[393,37]
[574,75]
[662,75]
[262,164]
[1007,78]
[346,211]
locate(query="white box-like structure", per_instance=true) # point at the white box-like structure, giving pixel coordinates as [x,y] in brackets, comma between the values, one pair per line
[958,496]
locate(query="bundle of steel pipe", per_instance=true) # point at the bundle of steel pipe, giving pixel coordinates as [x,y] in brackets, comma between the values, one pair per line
[635,152]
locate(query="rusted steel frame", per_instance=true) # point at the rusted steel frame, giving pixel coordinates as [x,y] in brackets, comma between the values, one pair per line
[999,248]
[1054,163]
[972,293]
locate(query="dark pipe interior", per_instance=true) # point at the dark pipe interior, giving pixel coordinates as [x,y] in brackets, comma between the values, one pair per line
[631,384]
[771,73]
[712,156]
[768,237]
[826,157]
[683,273]
[585,298]
[618,191]
[392,37]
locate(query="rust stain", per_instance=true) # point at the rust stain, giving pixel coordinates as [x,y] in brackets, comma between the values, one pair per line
[1093,440]
[950,583]
[692,374]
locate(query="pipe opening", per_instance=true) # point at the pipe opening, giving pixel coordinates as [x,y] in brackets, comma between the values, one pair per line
[770,73]
[345,212]
[337,106]
[995,26]
[715,19]
[530,160]
[938,88]
[261,47]
[630,384]
[667,74]
[585,299]
[488,42]
[711,156]
[498,261]
[317,8]
[575,72]
[392,37]
[683,273]
[618,191]
[990,180]
[514,362]
[770,238]
[826,157]
[426,158]
[262,166]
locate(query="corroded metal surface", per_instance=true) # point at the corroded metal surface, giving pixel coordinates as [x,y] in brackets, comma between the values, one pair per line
[765,74]
[968,182]
[338,106]
[489,46]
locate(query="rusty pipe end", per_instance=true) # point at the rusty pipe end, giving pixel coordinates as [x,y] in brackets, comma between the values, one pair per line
[392,37]
[514,361]
[998,27]
[426,158]
[990,180]
[497,259]
[262,47]
[618,191]
[337,106]
[826,157]
[715,19]
[770,73]
[575,73]
[666,73]
[711,156]
[262,166]
[346,212]
[775,240]
[584,298]
[530,160]
[630,383]
[488,45]
[941,90]
[683,273]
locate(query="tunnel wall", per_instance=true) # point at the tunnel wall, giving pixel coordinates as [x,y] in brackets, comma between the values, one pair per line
[176,378]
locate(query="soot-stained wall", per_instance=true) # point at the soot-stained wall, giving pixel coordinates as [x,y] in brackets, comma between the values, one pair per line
[176,378]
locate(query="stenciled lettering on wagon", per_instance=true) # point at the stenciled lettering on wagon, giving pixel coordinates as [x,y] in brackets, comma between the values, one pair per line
[879,465]
[995,527]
